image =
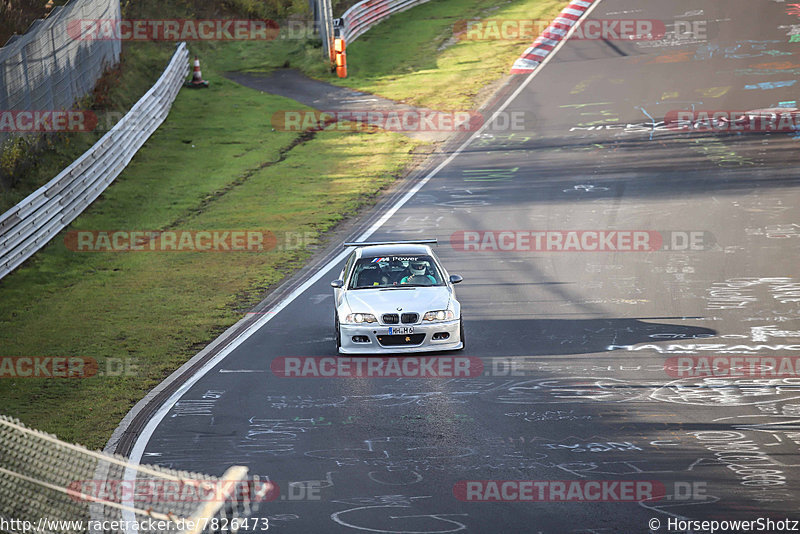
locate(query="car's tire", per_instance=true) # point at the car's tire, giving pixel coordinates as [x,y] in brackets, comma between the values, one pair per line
[461,333]
[338,332]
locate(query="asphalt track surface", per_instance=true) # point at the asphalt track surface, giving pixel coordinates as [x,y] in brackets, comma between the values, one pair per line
[589,332]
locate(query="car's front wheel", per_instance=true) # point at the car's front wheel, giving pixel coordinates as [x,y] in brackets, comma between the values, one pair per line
[461,333]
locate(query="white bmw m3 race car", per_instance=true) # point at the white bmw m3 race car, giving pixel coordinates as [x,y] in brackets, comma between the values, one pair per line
[395,297]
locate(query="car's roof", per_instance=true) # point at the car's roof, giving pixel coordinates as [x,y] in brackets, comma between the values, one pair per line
[376,251]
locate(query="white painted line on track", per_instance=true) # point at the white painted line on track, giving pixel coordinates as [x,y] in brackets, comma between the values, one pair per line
[144,437]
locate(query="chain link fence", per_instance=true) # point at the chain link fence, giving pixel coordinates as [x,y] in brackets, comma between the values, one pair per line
[49,68]
[51,486]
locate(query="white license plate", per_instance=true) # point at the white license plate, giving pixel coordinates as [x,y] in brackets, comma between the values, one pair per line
[401,330]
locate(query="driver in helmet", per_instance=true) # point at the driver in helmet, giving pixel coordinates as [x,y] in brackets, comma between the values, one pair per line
[418,274]
[396,271]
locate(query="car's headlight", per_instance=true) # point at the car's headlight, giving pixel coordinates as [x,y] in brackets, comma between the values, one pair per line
[439,315]
[356,318]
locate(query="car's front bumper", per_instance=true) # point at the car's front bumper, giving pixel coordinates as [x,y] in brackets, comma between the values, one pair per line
[374,346]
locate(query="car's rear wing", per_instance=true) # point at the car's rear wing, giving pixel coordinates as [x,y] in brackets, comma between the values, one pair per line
[373,243]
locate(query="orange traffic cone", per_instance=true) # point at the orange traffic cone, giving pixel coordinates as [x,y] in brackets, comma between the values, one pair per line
[197,76]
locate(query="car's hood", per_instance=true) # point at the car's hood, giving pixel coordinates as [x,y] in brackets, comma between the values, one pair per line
[414,299]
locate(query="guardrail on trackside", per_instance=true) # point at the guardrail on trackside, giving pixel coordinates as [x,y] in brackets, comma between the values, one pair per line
[364,15]
[29,225]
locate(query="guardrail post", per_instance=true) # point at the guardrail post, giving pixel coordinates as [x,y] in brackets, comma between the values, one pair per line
[326,27]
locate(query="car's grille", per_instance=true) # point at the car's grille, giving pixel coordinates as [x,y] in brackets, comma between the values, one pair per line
[390,318]
[409,318]
[395,340]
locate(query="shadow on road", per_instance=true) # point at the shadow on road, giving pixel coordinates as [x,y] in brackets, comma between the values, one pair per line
[538,337]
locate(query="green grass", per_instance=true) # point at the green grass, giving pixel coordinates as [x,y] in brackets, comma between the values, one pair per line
[217,164]
[213,165]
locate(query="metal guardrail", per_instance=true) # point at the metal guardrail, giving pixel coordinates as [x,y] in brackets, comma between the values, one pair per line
[364,15]
[32,223]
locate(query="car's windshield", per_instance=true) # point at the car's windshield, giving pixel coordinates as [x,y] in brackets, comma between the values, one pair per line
[395,271]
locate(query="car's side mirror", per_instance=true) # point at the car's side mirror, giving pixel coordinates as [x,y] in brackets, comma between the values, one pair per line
[337,284]
[454,279]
